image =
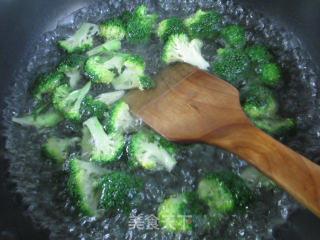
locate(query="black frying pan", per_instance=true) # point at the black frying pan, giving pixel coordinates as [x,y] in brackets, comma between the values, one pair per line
[22,22]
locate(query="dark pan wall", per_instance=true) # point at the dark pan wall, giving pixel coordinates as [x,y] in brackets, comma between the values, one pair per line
[22,21]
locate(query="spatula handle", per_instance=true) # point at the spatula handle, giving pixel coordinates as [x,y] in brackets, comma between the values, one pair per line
[294,173]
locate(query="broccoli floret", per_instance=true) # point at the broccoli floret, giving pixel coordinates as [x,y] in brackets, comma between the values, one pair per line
[133,75]
[82,185]
[107,47]
[109,98]
[234,36]
[259,54]
[125,17]
[68,101]
[170,26]
[139,27]
[224,192]
[204,24]
[254,110]
[71,66]
[128,81]
[146,150]
[46,83]
[90,108]
[57,148]
[261,107]
[170,147]
[118,189]
[179,213]
[258,102]
[275,126]
[101,69]
[47,119]
[179,49]
[70,63]
[145,82]
[112,29]
[99,146]
[134,62]
[270,74]
[231,65]
[120,120]
[255,179]
[82,40]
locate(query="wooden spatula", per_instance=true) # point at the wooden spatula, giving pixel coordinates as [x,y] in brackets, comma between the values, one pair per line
[190,105]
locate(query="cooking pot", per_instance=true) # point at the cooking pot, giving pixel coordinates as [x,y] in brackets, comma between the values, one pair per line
[21,24]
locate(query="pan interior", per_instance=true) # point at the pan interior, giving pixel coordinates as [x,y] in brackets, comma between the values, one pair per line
[43,185]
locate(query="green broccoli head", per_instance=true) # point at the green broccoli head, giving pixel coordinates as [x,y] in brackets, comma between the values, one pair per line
[259,102]
[120,120]
[133,74]
[46,83]
[81,186]
[139,27]
[275,126]
[224,192]
[259,54]
[134,62]
[97,145]
[70,63]
[179,49]
[145,149]
[68,101]
[102,69]
[90,108]
[145,82]
[81,41]
[109,47]
[43,120]
[170,26]
[204,24]
[118,189]
[234,36]
[125,17]
[270,74]
[71,66]
[231,65]
[56,148]
[112,29]
[178,213]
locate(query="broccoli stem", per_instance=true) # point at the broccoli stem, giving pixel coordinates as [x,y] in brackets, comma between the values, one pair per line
[48,119]
[110,97]
[74,78]
[107,47]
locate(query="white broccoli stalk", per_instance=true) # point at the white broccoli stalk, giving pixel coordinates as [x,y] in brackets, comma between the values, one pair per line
[109,98]
[101,147]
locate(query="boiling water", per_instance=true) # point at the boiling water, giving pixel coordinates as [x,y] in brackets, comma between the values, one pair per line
[43,185]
